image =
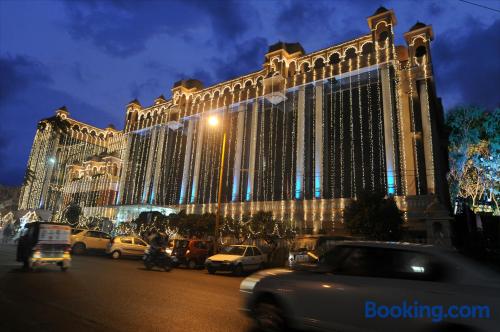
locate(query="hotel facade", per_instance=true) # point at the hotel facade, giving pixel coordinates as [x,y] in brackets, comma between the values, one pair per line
[304,136]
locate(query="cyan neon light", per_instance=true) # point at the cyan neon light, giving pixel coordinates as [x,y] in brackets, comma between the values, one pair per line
[298,187]
[317,186]
[390,182]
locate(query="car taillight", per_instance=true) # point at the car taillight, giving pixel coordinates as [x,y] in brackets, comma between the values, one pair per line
[112,240]
[37,247]
[187,252]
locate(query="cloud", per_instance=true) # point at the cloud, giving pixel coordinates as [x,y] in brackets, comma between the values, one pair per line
[18,72]
[122,29]
[466,66]
[26,96]
[247,57]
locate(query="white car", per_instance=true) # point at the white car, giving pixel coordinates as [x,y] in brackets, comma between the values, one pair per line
[377,286]
[86,240]
[126,246]
[237,259]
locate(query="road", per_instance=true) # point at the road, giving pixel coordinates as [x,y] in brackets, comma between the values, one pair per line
[100,294]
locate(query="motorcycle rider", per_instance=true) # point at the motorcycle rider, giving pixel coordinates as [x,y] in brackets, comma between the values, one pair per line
[157,242]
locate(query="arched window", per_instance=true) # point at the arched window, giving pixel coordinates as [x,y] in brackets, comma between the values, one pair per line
[420,51]
[319,63]
[334,59]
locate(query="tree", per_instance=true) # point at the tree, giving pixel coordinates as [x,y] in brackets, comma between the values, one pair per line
[72,214]
[474,151]
[236,227]
[374,217]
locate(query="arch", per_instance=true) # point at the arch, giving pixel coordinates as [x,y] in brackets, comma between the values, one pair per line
[305,67]
[416,38]
[237,87]
[248,83]
[101,136]
[258,80]
[420,51]
[76,127]
[319,62]
[334,58]
[350,52]
[367,48]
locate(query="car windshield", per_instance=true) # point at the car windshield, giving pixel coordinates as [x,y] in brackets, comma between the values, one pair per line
[233,250]
[76,231]
[304,245]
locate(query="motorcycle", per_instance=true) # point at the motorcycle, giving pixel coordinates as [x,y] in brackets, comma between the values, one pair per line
[159,259]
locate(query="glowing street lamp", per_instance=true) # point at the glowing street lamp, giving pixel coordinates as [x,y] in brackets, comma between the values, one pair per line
[213,121]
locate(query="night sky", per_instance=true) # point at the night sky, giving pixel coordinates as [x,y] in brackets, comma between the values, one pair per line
[96,56]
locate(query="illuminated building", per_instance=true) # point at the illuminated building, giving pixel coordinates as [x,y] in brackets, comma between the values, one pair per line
[305,135]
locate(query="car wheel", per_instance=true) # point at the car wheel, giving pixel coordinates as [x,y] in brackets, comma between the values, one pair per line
[238,270]
[191,264]
[79,248]
[269,317]
[115,254]
[211,270]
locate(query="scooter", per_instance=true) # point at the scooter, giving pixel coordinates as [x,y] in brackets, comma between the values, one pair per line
[159,259]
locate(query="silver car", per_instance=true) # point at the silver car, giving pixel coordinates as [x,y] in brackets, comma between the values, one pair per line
[126,246]
[377,286]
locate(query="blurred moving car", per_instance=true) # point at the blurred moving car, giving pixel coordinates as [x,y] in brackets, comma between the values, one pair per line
[126,246]
[332,295]
[86,240]
[237,259]
[308,248]
[191,253]
[43,243]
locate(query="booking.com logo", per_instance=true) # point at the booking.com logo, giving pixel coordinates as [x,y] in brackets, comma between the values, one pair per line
[415,310]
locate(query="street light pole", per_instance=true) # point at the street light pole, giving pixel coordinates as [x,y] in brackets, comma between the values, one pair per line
[219,194]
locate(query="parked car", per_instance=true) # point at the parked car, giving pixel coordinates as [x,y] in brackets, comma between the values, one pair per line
[191,253]
[85,240]
[332,295]
[126,246]
[237,259]
[308,248]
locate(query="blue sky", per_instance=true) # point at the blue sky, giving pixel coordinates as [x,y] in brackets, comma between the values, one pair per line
[95,56]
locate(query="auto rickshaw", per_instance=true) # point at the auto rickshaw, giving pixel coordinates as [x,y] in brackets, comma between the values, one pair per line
[44,243]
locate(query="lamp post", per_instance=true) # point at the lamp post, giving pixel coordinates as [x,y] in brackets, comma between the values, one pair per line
[214,121]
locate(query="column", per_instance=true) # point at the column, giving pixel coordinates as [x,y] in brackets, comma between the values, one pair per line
[237,155]
[197,161]
[388,130]
[125,161]
[408,141]
[159,156]
[427,136]
[149,166]
[253,146]
[299,166]
[318,143]
[187,161]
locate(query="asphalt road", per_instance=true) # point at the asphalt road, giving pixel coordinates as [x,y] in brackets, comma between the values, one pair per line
[100,294]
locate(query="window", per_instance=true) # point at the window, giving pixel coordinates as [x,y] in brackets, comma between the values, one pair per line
[139,242]
[256,251]
[249,252]
[383,263]
[126,240]
[105,236]
[200,245]
[93,234]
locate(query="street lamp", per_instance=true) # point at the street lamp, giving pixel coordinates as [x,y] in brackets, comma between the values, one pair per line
[213,121]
